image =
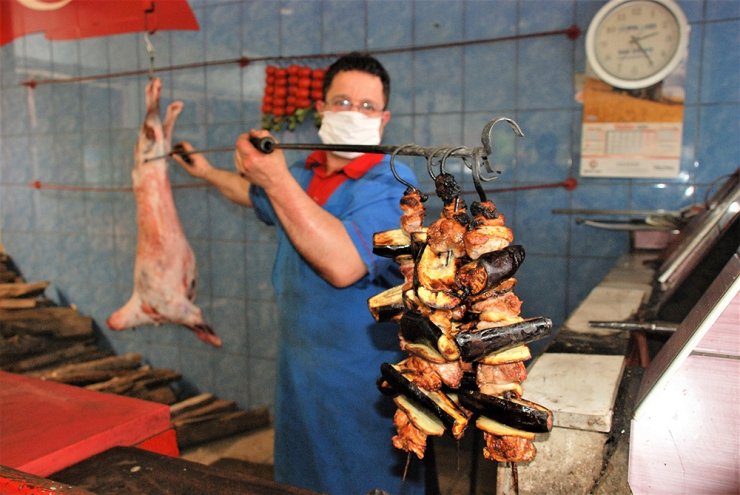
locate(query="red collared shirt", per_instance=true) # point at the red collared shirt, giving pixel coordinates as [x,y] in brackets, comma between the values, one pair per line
[323,184]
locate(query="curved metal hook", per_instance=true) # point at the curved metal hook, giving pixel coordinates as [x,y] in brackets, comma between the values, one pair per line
[430,161]
[409,187]
[487,134]
[448,152]
[475,169]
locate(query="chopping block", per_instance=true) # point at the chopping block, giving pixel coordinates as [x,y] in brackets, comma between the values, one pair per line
[46,426]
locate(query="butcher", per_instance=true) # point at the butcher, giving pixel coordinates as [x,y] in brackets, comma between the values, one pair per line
[332,427]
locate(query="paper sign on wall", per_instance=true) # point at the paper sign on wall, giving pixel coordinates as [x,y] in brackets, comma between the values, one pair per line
[631,135]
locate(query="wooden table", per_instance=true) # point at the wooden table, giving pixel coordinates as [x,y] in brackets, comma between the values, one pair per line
[46,426]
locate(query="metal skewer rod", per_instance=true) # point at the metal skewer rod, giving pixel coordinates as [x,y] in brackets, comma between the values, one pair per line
[268,145]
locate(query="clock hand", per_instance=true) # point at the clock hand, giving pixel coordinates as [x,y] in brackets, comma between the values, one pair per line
[640,38]
[635,40]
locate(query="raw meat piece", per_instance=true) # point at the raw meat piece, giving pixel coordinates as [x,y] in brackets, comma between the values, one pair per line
[165,273]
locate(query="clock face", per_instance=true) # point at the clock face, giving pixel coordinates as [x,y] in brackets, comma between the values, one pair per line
[636,43]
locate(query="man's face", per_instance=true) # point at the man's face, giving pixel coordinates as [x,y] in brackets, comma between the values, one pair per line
[356,91]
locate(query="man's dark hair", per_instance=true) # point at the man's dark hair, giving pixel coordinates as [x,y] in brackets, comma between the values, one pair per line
[362,62]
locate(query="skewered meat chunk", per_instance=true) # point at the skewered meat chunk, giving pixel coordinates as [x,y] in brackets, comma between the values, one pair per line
[508,448]
[406,267]
[447,232]
[409,437]
[504,304]
[446,188]
[488,231]
[501,378]
[485,239]
[447,235]
[485,213]
[431,376]
[412,211]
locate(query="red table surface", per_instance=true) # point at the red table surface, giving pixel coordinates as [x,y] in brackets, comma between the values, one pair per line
[47,426]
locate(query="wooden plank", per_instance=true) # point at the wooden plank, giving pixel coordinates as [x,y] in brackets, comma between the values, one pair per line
[67,354]
[217,406]
[21,345]
[61,321]
[161,395]
[135,471]
[221,425]
[19,289]
[19,303]
[98,369]
[190,403]
[142,377]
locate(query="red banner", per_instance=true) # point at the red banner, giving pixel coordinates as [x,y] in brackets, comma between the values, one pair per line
[74,19]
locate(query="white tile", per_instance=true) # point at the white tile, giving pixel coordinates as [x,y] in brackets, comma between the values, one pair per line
[578,388]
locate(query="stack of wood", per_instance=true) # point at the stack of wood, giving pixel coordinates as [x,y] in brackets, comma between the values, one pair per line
[50,342]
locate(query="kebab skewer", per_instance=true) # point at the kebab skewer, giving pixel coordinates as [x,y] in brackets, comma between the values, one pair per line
[458,317]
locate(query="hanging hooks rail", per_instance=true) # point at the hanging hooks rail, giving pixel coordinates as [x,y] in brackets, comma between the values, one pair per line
[572,32]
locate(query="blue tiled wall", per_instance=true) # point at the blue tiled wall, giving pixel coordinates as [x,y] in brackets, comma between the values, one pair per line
[83,134]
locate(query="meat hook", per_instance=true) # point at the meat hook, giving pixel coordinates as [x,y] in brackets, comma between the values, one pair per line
[447,154]
[150,51]
[430,161]
[487,134]
[409,187]
[475,169]
[487,140]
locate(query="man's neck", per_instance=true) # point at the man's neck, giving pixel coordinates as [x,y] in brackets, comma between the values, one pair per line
[335,163]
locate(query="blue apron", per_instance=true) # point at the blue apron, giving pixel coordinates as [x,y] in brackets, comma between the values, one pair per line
[333,428]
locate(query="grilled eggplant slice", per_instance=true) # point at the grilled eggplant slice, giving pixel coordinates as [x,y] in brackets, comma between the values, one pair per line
[388,305]
[479,343]
[424,351]
[391,243]
[517,413]
[423,420]
[495,428]
[418,329]
[490,269]
[435,271]
[437,299]
[513,355]
[434,402]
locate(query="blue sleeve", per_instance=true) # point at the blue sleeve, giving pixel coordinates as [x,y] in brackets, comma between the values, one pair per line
[375,206]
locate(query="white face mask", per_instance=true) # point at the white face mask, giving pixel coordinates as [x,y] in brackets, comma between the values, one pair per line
[349,128]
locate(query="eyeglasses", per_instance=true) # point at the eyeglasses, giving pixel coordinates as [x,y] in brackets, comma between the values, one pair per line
[343,104]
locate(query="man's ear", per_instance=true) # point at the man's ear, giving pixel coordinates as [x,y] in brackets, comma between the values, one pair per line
[385,117]
[319,106]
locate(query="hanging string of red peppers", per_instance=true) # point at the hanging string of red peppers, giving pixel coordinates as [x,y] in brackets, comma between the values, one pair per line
[290,96]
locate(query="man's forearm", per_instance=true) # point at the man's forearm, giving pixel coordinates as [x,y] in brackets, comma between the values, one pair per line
[318,236]
[233,186]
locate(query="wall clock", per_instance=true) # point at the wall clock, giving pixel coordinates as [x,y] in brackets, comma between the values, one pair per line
[634,44]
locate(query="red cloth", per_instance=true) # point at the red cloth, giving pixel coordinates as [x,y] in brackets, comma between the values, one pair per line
[75,19]
[323,184]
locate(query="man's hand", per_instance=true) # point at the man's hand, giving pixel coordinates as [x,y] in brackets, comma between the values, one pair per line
[263,170]
[194,164]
